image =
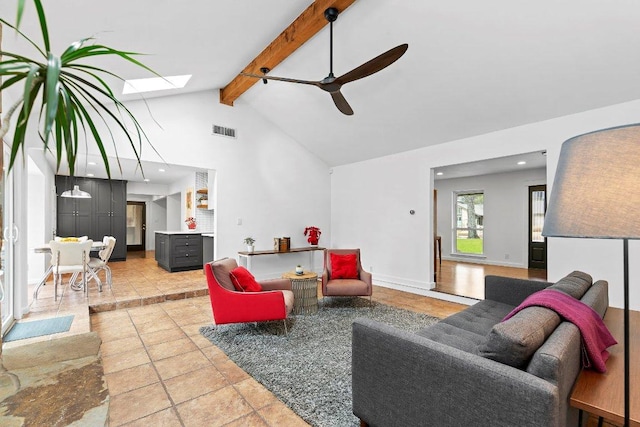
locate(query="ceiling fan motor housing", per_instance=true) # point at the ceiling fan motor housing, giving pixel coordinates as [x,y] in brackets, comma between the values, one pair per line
[331,14]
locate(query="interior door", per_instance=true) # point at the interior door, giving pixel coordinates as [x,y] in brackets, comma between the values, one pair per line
[136,226]
[537,242]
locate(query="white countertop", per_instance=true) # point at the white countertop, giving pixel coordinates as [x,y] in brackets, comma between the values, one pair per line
[204,233]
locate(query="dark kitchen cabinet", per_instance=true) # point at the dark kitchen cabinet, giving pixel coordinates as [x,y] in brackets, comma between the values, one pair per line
[179,251]
[104,214]
[74,215]
[110,214]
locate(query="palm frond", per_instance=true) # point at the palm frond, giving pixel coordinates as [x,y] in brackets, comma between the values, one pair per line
[74,94]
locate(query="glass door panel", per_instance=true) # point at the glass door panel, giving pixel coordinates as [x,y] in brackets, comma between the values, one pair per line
[8,234]
[537,242]
[136,226]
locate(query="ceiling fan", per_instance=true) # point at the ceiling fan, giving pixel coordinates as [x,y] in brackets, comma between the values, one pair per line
[331,83]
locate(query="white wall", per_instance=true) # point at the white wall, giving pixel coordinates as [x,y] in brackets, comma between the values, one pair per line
[264,178]
[506,214]
[156,220]
[370,202]
[174,212]
[36,234]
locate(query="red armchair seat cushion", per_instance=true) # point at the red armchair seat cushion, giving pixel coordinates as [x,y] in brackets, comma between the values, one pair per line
[244,281]
[344,266]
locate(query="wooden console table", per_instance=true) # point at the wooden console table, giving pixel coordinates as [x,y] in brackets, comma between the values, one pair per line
[244,257]
[603,394]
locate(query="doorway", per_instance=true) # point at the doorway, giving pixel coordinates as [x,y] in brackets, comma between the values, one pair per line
[136,226]
[537,242]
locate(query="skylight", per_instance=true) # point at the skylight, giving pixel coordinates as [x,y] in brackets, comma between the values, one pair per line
[155,84]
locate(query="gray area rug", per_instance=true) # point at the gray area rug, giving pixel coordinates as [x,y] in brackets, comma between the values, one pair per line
[310,369]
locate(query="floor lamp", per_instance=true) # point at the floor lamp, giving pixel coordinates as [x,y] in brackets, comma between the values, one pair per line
[596,194]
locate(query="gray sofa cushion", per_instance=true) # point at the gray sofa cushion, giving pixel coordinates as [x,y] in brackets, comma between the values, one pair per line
[453,336]
[468,329]
[480,317]
[574,284]
[514,341]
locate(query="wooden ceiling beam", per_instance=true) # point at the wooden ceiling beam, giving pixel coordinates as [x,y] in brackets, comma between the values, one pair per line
[305,26]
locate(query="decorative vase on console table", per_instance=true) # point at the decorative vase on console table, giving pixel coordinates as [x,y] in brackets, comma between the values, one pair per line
[314,235]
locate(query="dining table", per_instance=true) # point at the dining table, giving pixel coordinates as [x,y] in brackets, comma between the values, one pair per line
[46,249]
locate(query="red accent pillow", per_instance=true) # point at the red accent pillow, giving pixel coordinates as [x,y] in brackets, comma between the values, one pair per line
[344,266]
[244,281]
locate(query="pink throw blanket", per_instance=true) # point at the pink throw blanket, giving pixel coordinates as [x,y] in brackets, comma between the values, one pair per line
[596,338]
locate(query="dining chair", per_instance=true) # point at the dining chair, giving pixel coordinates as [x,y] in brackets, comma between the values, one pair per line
[100,263]
[69,257]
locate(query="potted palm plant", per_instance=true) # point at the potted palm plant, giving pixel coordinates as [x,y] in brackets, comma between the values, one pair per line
[66,94]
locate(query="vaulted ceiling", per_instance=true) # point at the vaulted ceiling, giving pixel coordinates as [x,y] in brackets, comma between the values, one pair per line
[472,67]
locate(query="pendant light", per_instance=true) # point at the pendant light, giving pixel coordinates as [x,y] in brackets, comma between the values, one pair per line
[76,193]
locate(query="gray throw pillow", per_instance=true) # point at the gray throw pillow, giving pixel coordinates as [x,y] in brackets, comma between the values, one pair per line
[514,341]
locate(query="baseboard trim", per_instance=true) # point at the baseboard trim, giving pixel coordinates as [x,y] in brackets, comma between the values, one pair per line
[419,288]
[478,260]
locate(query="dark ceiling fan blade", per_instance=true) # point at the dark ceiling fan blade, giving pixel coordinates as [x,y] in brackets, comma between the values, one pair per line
[341,103]
[374,65]
[282,79]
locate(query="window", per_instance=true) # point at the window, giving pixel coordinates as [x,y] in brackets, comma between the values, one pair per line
[469,230]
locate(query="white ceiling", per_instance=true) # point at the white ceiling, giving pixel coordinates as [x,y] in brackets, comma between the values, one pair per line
[471,68]
[533,160]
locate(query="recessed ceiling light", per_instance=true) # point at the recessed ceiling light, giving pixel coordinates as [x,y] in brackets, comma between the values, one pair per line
[160,170]
[91,163]
[155,83]
[440,173]
[522,162]
[90,174]
[147,180]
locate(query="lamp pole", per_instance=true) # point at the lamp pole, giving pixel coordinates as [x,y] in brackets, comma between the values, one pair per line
[627,408]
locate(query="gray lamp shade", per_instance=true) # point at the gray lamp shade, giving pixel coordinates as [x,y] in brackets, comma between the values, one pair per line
[76,193]
[596,190]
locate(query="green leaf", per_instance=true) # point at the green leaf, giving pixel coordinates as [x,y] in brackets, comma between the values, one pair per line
[43,25]
[15,28]
[96,135]
[20,12]
[100,50]
[31,75]
[10,82]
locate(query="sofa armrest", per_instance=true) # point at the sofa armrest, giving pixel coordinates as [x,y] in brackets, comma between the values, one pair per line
[275,284]
[511,291]
[400,378]
[365,276]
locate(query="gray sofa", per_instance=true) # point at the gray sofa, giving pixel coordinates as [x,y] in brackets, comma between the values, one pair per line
[471,369]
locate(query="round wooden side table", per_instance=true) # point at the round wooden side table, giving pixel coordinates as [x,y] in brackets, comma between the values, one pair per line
[305,291]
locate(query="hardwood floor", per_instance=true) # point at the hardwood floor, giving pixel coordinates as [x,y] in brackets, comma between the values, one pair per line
[467,279]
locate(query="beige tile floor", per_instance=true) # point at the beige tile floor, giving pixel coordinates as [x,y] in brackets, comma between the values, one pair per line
[160,371]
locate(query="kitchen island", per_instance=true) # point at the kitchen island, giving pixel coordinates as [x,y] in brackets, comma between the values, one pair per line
[179,250]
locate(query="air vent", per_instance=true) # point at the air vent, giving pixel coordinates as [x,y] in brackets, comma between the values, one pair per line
[221,130]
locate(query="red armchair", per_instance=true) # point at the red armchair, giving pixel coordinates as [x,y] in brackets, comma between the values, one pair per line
[275,302]
[360,286]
